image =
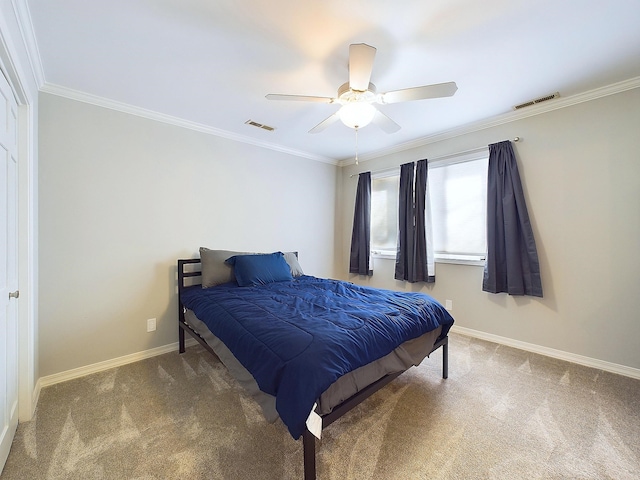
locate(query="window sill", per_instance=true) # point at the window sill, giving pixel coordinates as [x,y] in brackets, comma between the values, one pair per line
[457,260]
[379,254]
[462,261]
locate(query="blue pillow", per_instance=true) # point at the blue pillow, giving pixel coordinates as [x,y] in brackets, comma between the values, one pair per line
[260,269]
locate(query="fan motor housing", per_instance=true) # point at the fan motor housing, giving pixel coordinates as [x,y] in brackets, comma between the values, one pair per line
[347,94]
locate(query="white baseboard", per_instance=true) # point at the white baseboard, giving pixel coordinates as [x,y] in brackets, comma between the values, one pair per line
[550,352]
[529,347]
[35,397]
[107,364]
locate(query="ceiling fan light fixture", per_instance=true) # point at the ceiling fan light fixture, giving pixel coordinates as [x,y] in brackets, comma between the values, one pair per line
[358,95]
[357,114]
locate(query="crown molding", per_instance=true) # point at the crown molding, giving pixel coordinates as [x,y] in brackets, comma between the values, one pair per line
[23,15]
[179,122]
[21,9]
[508,117]
[27,31]
[562,102]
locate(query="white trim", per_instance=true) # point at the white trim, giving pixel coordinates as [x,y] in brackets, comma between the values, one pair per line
[21,10]
[26,96]
[472,260]
[108,364]
[172,347]
[171,120]
[551,352]
[508,117]
[10,62]
[391,255]
[35,396]
[28,218]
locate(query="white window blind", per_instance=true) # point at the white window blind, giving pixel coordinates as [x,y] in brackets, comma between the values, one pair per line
[384,214]
[458,191]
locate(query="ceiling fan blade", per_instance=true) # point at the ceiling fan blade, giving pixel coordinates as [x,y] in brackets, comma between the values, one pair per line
[325,123]
[420,93]
[361,58]
[299,98]
[385,123]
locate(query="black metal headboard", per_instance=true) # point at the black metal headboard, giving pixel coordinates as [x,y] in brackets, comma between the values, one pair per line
[184,272]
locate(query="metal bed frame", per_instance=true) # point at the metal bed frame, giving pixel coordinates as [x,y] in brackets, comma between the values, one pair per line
[308,439]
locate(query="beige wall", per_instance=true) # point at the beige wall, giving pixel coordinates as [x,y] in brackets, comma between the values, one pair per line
[580,168]
[123,197]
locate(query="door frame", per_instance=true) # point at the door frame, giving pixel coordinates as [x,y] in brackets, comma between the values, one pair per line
[26,97]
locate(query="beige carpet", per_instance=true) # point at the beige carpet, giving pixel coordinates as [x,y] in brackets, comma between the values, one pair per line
[502,414]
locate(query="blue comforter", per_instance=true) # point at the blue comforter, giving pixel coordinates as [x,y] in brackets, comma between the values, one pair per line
[298,337]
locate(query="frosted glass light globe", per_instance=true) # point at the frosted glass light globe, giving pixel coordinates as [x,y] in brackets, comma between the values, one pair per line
[357,114]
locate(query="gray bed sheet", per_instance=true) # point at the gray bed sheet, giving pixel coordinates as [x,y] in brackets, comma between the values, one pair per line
[408,354]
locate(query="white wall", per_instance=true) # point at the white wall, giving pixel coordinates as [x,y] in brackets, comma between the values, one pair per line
[123,197]
[580,168]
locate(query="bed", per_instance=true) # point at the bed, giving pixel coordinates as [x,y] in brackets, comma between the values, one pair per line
[306,349]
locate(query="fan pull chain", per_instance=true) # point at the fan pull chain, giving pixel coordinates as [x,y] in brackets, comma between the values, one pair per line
[356,129]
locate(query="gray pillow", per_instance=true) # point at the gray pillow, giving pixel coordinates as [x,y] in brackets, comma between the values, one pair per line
[214,270]
[292,259]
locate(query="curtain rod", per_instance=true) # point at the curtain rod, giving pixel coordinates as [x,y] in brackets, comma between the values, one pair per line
[457,154]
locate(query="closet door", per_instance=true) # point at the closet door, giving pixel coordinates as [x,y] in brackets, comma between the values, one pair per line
[8,269]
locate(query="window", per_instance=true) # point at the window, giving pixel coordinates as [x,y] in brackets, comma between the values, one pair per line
[384,214]
[457,192]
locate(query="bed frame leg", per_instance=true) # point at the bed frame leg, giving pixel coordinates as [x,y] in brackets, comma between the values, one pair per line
[445,359]
[309,450]
[181,339]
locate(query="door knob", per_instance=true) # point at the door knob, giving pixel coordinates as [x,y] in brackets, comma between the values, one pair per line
[15,294]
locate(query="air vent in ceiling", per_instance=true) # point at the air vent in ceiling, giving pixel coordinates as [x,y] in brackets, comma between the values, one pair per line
[536,101]
[260,125]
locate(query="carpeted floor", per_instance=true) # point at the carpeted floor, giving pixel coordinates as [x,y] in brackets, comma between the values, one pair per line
[502,414]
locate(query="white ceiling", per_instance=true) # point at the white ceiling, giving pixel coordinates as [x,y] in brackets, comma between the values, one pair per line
[211,62]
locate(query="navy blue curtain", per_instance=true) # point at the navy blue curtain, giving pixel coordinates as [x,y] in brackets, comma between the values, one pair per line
[359,259]
[420,245]
[512,259]
[405,223]
[411,255]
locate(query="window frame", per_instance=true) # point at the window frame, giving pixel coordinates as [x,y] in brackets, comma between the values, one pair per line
[443,161]
[382,174]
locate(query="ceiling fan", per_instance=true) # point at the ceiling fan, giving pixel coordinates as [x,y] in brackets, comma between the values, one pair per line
[358,95]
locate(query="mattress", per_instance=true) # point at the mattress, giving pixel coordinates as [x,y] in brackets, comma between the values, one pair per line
[298,337]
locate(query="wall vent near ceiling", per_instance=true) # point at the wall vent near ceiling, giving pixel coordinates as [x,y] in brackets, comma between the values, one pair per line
[260,125]
[536,101]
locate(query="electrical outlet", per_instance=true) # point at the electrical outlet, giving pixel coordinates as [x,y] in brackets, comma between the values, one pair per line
[448,304]
[151,325]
